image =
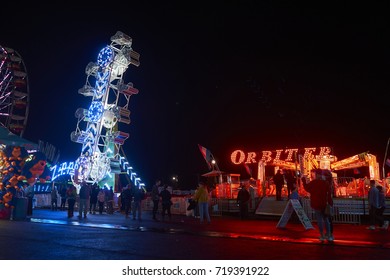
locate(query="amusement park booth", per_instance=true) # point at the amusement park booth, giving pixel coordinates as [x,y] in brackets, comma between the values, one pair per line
[224,190]
[226,185]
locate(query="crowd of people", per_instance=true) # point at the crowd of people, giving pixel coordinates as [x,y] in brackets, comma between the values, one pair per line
[90,198]
[93,199]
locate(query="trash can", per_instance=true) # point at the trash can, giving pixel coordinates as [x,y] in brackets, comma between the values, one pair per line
[20,211]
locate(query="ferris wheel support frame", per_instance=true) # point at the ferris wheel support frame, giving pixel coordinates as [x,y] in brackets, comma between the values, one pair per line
[101,138]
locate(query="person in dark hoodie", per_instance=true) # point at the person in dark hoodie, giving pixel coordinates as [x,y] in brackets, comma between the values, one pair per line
[166,202]
[243,198]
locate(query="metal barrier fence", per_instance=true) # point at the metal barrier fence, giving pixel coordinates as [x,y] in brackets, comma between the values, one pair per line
[349,211]
[346,211]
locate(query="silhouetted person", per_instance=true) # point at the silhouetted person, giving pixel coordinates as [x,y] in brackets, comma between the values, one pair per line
[101,200]
[166,202]
[110,200]
[63,197]
[30,195]
[138,196]
[71,195]
[126,198]
[279,182]
[84,196]
[93,198]
[320,195]
[376,200]
[54,198]
[155,193]
[291,181]
[243,198]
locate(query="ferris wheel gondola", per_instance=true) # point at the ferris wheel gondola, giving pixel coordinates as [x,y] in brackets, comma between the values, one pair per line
[14,91]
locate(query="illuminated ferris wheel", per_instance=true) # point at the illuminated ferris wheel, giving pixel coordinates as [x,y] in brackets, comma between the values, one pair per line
[98,126]
[14,91]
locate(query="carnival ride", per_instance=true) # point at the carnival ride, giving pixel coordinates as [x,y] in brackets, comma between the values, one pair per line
[98,126]
[356,161]
[14,91]
[304,162]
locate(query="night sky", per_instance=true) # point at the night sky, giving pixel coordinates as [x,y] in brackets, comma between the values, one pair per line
[251,75]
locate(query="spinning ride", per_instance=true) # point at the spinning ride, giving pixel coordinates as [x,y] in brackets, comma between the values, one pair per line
[98,126]
[14,91]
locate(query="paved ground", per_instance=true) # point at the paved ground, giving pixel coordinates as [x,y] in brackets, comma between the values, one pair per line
[50,235]
[256,227]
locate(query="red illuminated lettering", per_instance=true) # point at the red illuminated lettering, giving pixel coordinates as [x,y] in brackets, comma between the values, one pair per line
[290,153]
[309,152]
[266,156]
[251,157]
[237,157]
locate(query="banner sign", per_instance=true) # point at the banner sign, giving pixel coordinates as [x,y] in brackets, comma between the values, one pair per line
[294,205]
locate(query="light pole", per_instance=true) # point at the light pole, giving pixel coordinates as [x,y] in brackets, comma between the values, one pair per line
[384,159]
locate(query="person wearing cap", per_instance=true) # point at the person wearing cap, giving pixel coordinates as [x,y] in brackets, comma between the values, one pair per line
[320,196]
[202,197]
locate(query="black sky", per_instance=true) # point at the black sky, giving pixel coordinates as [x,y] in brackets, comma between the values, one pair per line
[254,75]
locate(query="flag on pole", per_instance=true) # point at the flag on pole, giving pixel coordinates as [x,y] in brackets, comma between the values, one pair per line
[248,169]
[206,155]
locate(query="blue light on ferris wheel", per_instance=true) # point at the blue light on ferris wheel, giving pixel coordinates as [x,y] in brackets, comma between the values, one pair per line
[105,57]
[95,111]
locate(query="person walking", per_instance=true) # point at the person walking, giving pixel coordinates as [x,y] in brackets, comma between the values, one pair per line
[243,198]
[63,197]
[126,198]
[138,196]
[71,195]
[155,194]
[93,199]
[279,182]
[166,202]
[320,196]
[54,198]
[84,196]
[101,198]
[30,196]
[121,204]
[202,198]
[110,200]
[328,176]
